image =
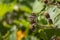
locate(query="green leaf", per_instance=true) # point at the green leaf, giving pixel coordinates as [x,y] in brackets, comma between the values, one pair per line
[37,6]
[13,34]
[30,38]
[25,9]
[5,8]
[54,13]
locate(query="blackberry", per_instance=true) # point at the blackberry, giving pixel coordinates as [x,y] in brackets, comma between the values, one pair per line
[46,1]
[47,15]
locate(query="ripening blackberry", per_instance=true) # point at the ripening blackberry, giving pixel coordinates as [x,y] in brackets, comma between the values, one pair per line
[45,1]
[50,21]
[58,2]
[48,18]
[47,15]
[33,27]
[32,21]
[33,14]
[32,18]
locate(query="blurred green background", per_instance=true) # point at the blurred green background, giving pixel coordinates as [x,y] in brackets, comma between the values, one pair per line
[29,19]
